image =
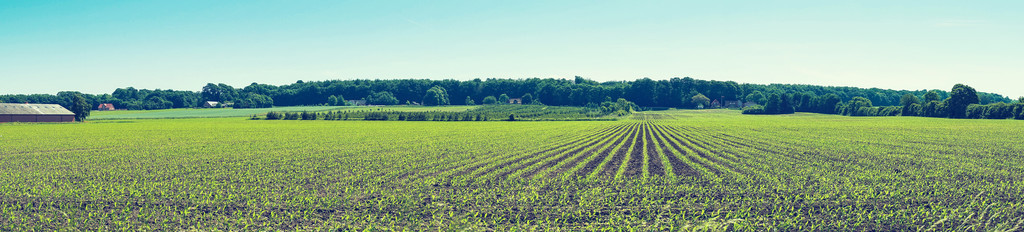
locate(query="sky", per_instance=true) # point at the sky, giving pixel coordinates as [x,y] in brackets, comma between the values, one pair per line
[98,46]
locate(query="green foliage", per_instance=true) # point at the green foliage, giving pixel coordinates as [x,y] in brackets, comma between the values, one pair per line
[906,101]
[381,98]
[933,109]
[961,97]
[309,115]
[491,112]
[291,116]
[332,100]
[490,100]
[503,99]
[527,99]
[755,109]
[932,96]
[255,101]
[469,101]
[81,108]
[853,108]
[274,115]
[757,97]
[436,96]
[1018,111]
[700,100]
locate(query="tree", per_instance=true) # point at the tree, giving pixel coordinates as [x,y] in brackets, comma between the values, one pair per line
[853,107]
[774,104]
[503,99]
[961,97]
[489,100]
[907,101]
[931,96]
[1020,100]
[252,100]
[511,117]
[527,99]
[786,106]
[381,98]
[829,103]
[700,100]
[756,97]
[332,100]
[81,108]
[469,101]
[341,101]
[436,96]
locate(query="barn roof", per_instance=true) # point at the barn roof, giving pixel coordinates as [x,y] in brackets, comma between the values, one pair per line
[45,109]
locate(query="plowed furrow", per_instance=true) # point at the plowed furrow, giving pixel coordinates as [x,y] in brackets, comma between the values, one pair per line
[603,155]
[579,153]
[678,166]
[555,149]
[635,164]
[654,166]
[612,166]
[687,142]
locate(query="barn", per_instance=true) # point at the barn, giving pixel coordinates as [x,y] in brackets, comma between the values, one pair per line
[10,112]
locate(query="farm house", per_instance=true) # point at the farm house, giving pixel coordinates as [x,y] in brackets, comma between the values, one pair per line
[105,106]
[10,112]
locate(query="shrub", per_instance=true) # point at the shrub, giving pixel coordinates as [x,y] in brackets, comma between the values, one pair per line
[756,109]
[274,115]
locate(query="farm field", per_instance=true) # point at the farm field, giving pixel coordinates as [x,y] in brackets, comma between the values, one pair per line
[664,170]
[229,112]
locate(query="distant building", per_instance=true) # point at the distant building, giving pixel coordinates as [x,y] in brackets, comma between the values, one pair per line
[356,102]
[211,104]
[10,112]
[105,106]
[715,104]
[518,101]
[732,104]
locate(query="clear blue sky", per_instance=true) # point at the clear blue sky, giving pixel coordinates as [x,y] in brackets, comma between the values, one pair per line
[97,46]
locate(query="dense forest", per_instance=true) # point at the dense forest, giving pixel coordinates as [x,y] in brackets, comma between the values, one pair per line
[648,93]
[962,102]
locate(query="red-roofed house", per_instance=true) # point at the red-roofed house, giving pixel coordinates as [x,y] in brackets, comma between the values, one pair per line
[105,106]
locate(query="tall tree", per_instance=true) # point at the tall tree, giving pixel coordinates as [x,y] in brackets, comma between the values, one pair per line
[332,100]
[527,99]
[961,97]
[436,96]
[931,96]
[381,98]
[503,99]
[490,100]
[853,107]
[774,104]
[700,100]
[907,101]
[756,97]
[81,108]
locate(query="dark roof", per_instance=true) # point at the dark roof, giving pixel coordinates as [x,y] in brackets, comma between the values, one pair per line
[43,109]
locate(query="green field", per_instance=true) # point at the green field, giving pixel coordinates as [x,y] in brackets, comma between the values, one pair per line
[656,171]
[229,112]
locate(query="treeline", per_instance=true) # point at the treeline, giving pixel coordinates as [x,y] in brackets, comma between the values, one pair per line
[962,102]
[483,113]
[675,93]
